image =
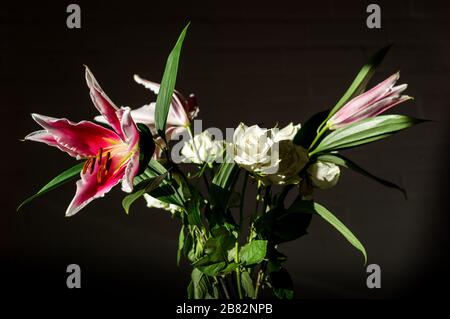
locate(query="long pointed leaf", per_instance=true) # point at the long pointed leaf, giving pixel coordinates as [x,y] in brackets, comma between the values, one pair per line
[341,160]
[364,131]
[168,85]
[336,223]
[222,184]
[59,180]
[304,206]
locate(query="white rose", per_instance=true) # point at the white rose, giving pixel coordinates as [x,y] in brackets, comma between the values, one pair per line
[293,159]
[255,150]
[324,174]
[286,133]
[202,149]
[153,202]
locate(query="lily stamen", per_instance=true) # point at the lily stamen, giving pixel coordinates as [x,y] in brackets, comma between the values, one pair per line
[86,165]
[92,165]
[99,158]
[108,161]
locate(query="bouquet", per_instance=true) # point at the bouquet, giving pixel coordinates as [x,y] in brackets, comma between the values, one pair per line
[201,177]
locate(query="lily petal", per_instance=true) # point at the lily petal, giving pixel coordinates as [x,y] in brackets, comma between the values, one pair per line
[102,102]
[361,101]
[45,137]
[179,106]
[83,139]
[128,127]
[130,172]
[89,187]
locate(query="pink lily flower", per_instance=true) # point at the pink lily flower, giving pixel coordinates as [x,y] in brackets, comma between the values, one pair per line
[111,155]
[181,112]
[371,103]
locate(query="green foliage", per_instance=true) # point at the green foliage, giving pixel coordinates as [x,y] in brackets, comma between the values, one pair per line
[341,160]
[247,284]
[142,188]
[167,86]
[200,286]
[281,283]
[222,184]
[181,241]
[168,191]
[56,182]
[308,206]
[253,253]
[364,131]
[216,247]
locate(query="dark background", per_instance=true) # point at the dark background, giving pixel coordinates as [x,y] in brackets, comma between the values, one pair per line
[246,61]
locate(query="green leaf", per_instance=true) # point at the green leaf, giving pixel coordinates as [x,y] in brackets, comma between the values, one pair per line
[216,247]
[345,162]
[196,248]
[167,190]
[229,268]
[254,252]
[361,80]
[153,169]
[181,240]
[168,85]
[247,284]
[194,211]
[212,269]
[282,284]
[198,288]
[336,223]
[222,184]
[59,180]
[140,190]
[364,131]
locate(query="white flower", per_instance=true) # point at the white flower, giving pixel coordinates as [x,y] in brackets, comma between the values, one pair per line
[202,149]
[255,150]
[324,174]
[287,133]
[153,202]
[293,159]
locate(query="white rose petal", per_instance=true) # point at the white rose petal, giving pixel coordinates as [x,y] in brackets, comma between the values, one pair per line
[292,159]
[255,150]
[202,149]
[324,174]
[286,133]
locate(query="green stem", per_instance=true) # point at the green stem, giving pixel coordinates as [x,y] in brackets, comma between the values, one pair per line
[241,206]
[227,296]
[238,272]
[260,278]
[318,136]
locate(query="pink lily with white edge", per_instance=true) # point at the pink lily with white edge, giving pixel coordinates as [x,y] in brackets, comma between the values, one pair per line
[111,155]
[371,103]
